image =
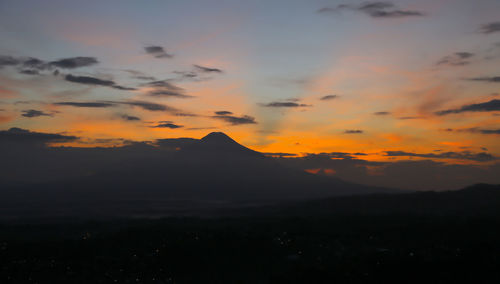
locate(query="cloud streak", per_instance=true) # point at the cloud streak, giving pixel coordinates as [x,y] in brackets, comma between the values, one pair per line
[493,105]
[465,155]
[490,28]
[374,10]
[284,105]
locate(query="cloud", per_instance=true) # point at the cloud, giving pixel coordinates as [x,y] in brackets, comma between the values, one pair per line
[149,106]
[35,63]
[223,112]
[465,155]
[236,120]
[457,59]
[130,117]
[329,97]
[167,124]
[494,79]
[163,84]
[207,69]
[29,72]
[200,128]
[88,80]
[34,113]
[157,51]
[475,130]
[284,104]
[74,62]
[123,88]
[168,93]
[6,60]
[353,131]
[410,117]
[382,113]
[164,88]
[86,104]
[493,105]
[374,10]
[18,135]
[490,28]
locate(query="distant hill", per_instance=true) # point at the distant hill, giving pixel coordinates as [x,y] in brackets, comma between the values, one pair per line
[480,200]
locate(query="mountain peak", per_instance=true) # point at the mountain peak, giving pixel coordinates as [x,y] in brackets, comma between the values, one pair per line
[218,137]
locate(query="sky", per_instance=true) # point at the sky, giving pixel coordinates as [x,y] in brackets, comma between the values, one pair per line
[383,80]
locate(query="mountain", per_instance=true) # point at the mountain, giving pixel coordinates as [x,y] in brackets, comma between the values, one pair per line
[175,175]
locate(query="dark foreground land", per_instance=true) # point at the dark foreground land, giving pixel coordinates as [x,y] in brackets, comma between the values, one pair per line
[308,243]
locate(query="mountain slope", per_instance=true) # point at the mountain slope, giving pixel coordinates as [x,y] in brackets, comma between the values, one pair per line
[179,175]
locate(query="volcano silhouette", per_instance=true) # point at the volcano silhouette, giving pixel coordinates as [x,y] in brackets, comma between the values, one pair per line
[177,173]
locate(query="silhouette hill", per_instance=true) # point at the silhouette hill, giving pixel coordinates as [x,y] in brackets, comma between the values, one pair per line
[175,175]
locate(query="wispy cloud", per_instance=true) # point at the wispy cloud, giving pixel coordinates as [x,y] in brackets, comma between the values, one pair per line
[207,69]
[284,105]
[465,155]
[456,59]
[493,105]
[374,10]
[329,97]
[489,28]
[236,120]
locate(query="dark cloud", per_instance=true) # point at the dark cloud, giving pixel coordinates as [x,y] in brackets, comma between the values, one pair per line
[382,113]
[6,60]
[164,88]
[88,80]
[123,88]
[490,28]
[207,69]
[284,104]
[86,104]
[457,59]
[29,72]
[96,82]
[186,74]
[168,93]
[34,113]
[35,63]
[493,105]
[157,51]
[130,117]
[475,130]
[149,106]
[353,131]
[409,117]
[167,124]
[374,10]
[494,79]
[74,62]
[18,135]
[163,84]
[465,155]
[236,120]
[223,112]
[329,97]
